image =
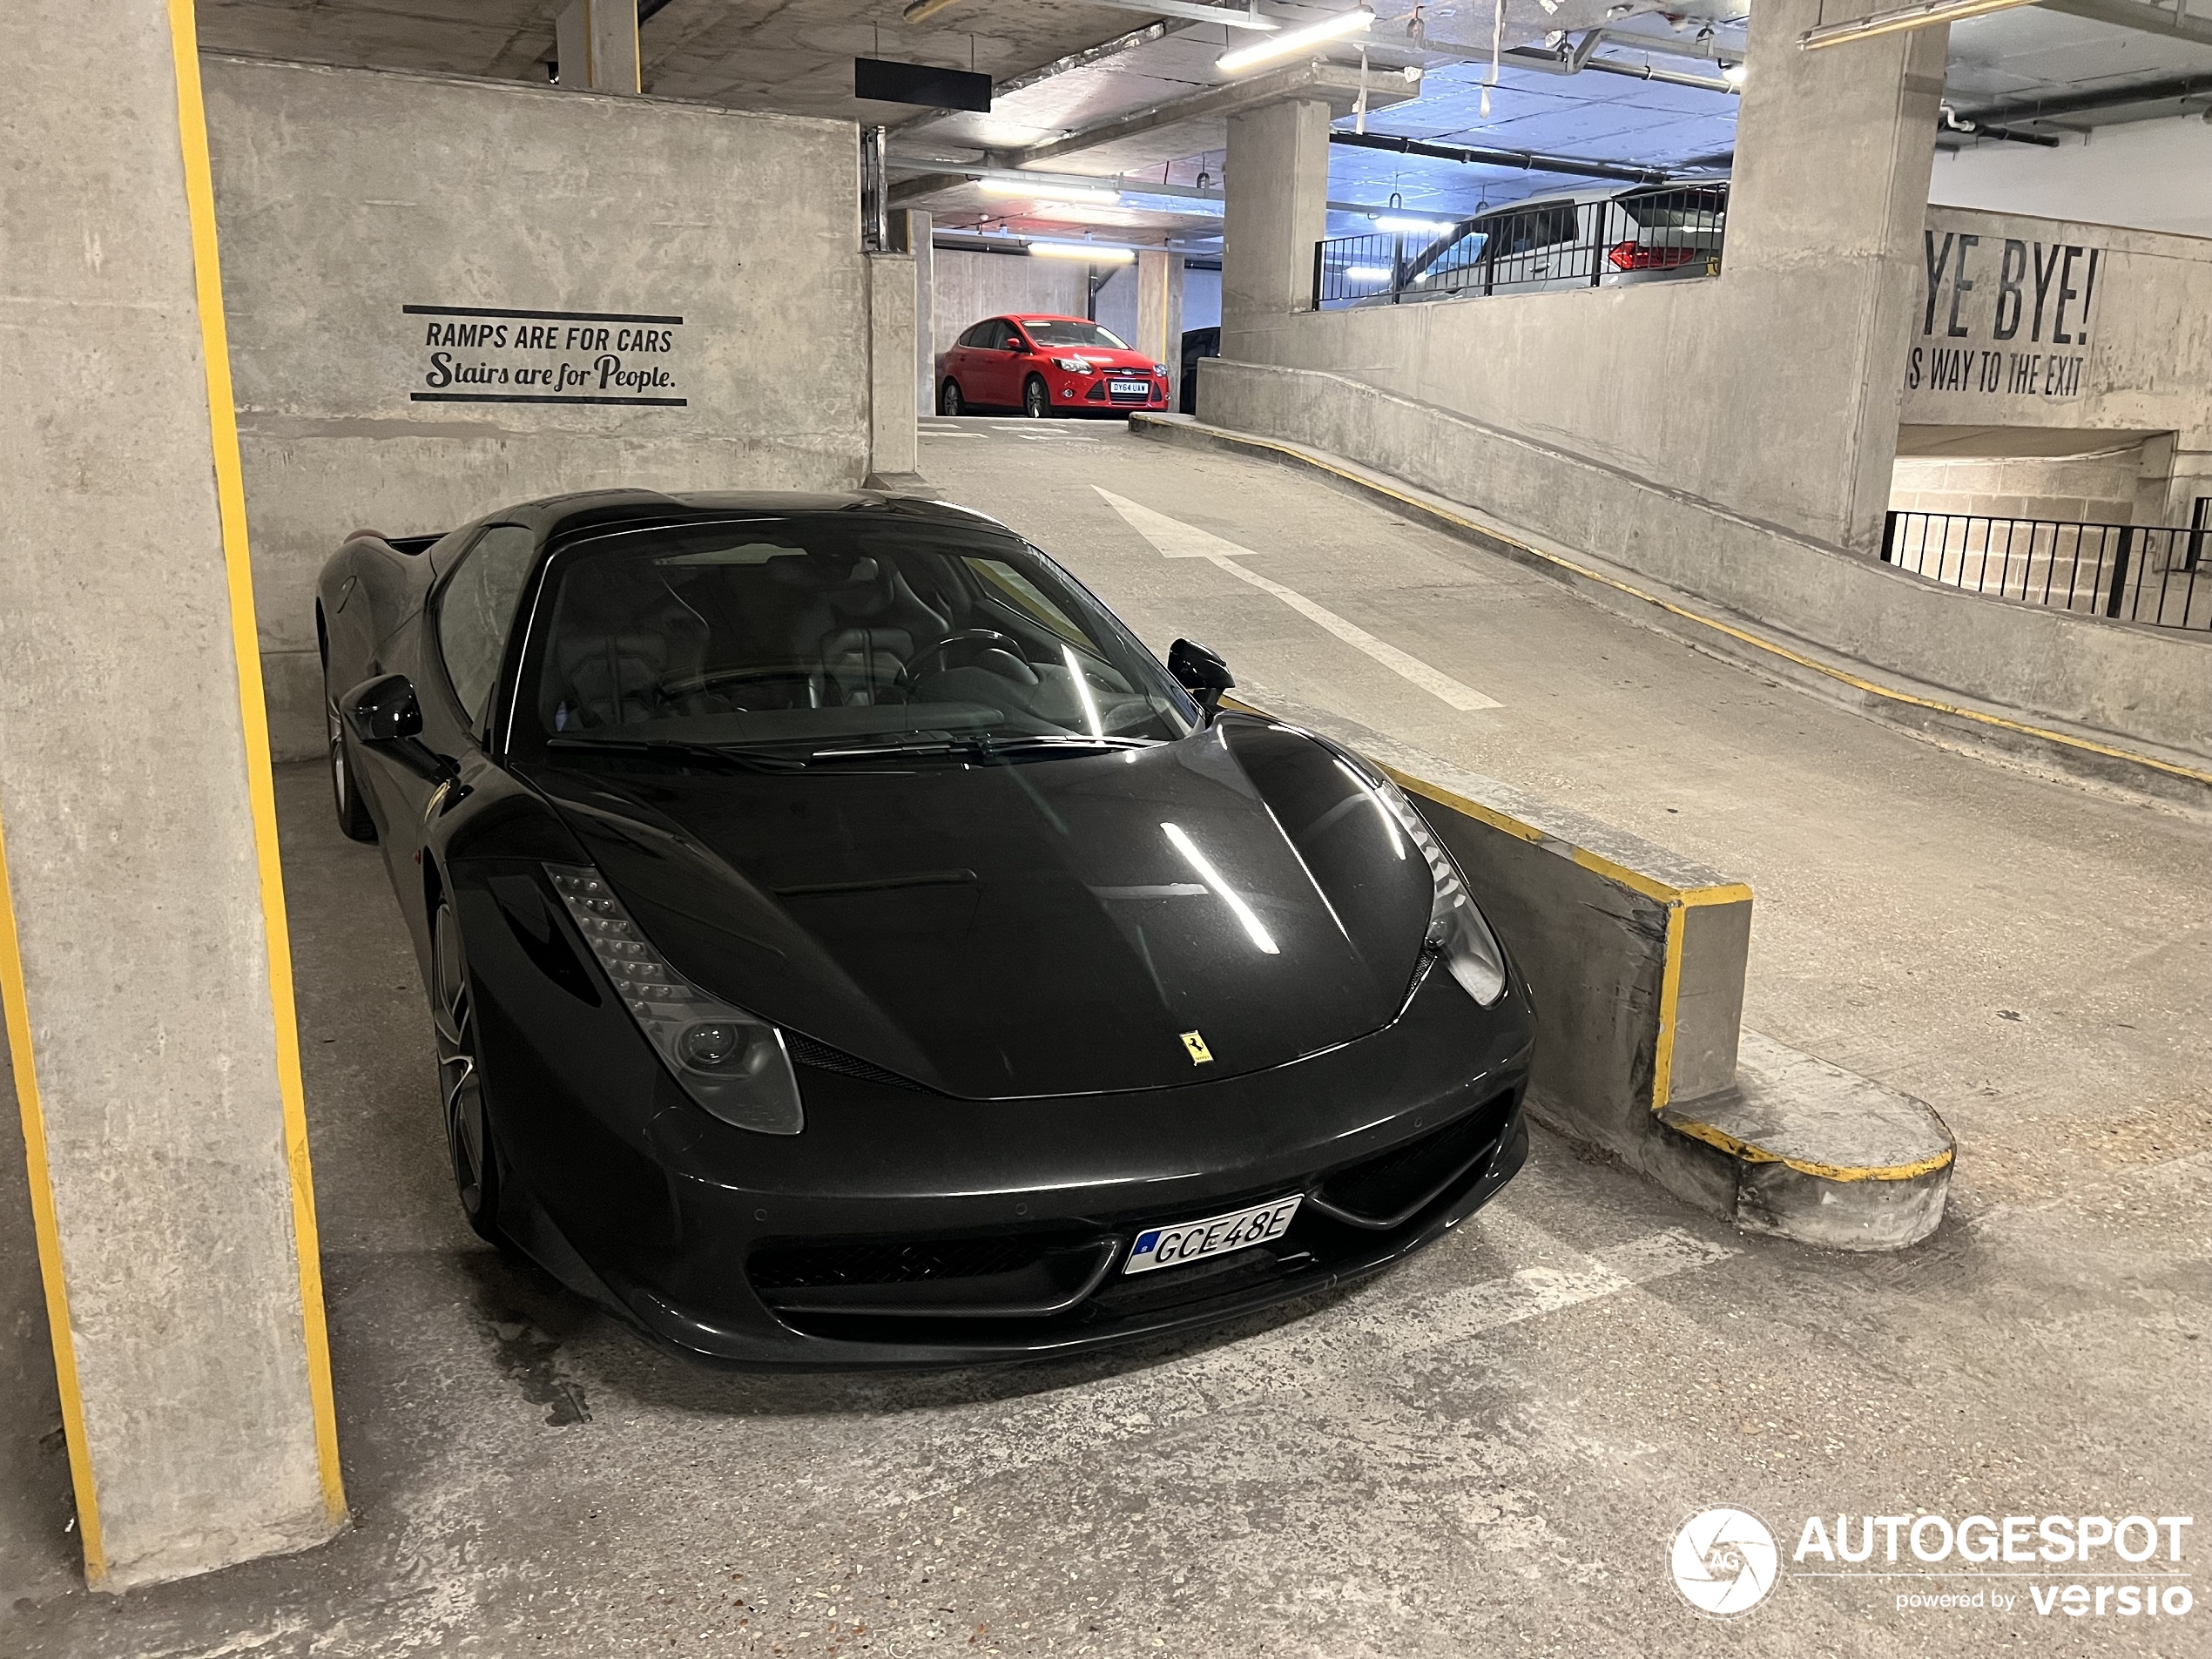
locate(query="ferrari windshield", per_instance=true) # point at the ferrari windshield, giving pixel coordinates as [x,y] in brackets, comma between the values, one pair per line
[828,634]
[1066,331]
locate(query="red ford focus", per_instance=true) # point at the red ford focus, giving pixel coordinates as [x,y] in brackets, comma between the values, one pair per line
[1046,365]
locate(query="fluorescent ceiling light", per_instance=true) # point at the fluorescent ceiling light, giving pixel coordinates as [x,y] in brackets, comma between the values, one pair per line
[1293,41]
[1368,272]
[1412,227]
[1044,193]
[1096,252]
[1885,22]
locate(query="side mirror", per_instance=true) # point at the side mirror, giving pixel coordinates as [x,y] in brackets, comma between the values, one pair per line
[384,716]
[384,709]
[1202,674]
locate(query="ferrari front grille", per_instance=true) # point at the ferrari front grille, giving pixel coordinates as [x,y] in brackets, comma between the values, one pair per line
[1390,1189]
[879,1261]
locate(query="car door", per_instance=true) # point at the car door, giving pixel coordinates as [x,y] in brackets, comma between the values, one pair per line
[452,657]
[995,367]
[960,361]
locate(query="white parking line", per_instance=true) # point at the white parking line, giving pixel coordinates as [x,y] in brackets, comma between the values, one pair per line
[1177,540]
[1378,1332]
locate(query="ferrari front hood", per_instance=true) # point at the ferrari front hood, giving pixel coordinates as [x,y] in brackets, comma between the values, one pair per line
[1129,919]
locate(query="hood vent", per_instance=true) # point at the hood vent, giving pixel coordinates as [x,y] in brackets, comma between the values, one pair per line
[805,1051]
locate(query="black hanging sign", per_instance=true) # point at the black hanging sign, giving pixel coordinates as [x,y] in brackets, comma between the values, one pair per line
[940,89]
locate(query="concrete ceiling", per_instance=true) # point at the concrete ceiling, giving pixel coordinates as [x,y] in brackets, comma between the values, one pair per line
[2019,57]
[796,56]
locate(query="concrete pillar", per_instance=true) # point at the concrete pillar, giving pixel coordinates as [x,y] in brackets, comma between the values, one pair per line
[912,231]
[893,434]
[1276,208]
[596,44]
[1159,309]
[144,959]
[1825,218]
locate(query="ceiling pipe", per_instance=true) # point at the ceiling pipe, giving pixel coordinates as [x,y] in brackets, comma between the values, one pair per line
[1949,120]
[2011,112]
[1525,160]
[1556,64]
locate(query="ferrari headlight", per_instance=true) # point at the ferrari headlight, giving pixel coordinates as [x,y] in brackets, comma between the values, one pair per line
[731,1063]
[1457,933]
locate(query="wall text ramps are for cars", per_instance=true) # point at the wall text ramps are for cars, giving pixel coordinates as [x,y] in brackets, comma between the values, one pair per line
[2043,291]
[496,354]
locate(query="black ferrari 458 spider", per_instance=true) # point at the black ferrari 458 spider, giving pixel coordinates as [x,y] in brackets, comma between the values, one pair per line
[847,944]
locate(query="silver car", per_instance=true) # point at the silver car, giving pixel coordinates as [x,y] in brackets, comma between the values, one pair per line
[1590,239]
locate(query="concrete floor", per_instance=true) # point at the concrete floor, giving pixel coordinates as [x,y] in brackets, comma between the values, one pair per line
[1490,1449]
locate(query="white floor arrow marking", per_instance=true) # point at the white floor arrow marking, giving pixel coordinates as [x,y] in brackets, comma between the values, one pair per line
[1177,540]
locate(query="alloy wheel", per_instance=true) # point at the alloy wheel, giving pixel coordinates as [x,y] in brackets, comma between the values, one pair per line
[1036,401]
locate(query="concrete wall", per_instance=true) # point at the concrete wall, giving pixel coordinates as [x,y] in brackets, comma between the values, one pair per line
[1201,298]
[2094,489]
[1114,304]
[2045,323]
[344,196]
[968,286]
[2146,174]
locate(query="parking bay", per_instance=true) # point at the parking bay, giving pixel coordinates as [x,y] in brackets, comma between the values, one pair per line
[1493,1444]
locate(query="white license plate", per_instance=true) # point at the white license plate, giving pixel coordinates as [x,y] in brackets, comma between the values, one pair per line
[1188,1240]
[1132,389]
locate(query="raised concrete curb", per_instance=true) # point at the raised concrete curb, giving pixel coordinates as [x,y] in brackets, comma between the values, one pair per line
[1636,957]
[1822,1154]
[1932,712]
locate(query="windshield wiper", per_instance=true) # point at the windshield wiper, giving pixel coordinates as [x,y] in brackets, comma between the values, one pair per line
[981,746]
[730,756]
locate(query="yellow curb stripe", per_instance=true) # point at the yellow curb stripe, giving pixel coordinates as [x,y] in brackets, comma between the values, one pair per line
[1752,1153]
[1662,1048]
[230,497]
[1871,687]
[46,1226]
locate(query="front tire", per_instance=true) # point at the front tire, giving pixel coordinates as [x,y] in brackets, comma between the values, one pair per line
[950,401]
[353,821]
[461,1085]
[1036,399]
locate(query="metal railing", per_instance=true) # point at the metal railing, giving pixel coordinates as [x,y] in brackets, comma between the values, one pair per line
[2146,573]
[1638,236]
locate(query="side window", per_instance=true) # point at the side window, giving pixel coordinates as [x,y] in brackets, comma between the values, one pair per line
[980,334]
[475,608]
[1000,338]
